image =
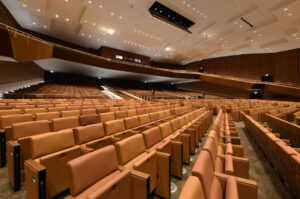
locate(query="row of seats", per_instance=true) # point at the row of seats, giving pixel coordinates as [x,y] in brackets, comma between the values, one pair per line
[112,131]
[131,154]
[284,158]
[220,169]
[286,130]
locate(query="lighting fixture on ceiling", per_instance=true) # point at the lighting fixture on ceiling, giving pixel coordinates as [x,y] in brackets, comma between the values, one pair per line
[56,16]
[45,26]
[52,71]
[34,23]
[100,6]
[168,49]
[67,19]
[24,5]
[39,10]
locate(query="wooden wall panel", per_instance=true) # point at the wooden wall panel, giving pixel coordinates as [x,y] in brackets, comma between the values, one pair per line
[283,66]
[11,72]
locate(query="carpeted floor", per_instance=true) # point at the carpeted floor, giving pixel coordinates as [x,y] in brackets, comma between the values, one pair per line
[269,183]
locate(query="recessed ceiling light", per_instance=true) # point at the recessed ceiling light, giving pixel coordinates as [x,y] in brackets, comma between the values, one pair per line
[252,40]
[90,36]
[241,26]
[82,34]
[45,26]
[33,23]
[98,39]
[120,17]
[66,0]
[290,14]
[255,31]
[259,35]
[235,23]
[100,6]
[85,21]
[297,38]
[56,16]
[67,19]
[198,11]
[194,8]
[94,24]
[285,9]
[39,10]
[51,71]
[183,2]
[112,13]
[189,5]
[168,49]
[89,1]
[24,5]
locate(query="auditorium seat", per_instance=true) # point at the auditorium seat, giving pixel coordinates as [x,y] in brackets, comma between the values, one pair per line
[89,119]
[92,136]
[72,113]
[17,151]
[213,183]
[132,154]
[49,154]
[47,116]
[64,123]
[10,112]
[91,111]
[107,116]
[121,114]
[226,148]
[90,178]
[154,141]
[227,164]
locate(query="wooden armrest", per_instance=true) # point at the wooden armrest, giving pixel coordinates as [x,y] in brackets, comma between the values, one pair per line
[223,176]
[85,150]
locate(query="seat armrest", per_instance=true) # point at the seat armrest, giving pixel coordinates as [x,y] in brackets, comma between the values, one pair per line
[164,180]
[297,149]
[140,182]
[8,133]
[85,150]
[35,179]
[100,143]
[246,188]
[13,164]
[2,149]
[134,132]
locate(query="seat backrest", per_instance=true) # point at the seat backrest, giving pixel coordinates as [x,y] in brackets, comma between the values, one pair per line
[140,111]
[88,111]
[152,136]
[102,110]
[107,116]
[144,119]
[212,134]
[165,129]
[175,124]
[182,121]
[154,117]
[70,113]
[113,109]
[10,112]
[56,109]
[25,129]
[203,169]
[64,123]
[47,116]
[121,114]
[89,119]
[192,189]
[8,120]
[231,188]
[129,148]
[115,126]
[131,122]
[47,143]
[90,168]
[84,134]
[210,146]
[161,115]
[34,110]
[131,113]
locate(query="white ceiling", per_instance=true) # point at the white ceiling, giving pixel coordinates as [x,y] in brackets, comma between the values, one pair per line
[218,31]
[58,65]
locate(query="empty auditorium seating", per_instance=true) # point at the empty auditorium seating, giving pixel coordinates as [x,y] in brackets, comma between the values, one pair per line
[132,154]
[90,178]
[64,123]
[46,172]
[16,147]
[282,156]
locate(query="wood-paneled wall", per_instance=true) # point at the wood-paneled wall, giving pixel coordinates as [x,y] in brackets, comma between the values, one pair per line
[284,66]
[11,72]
